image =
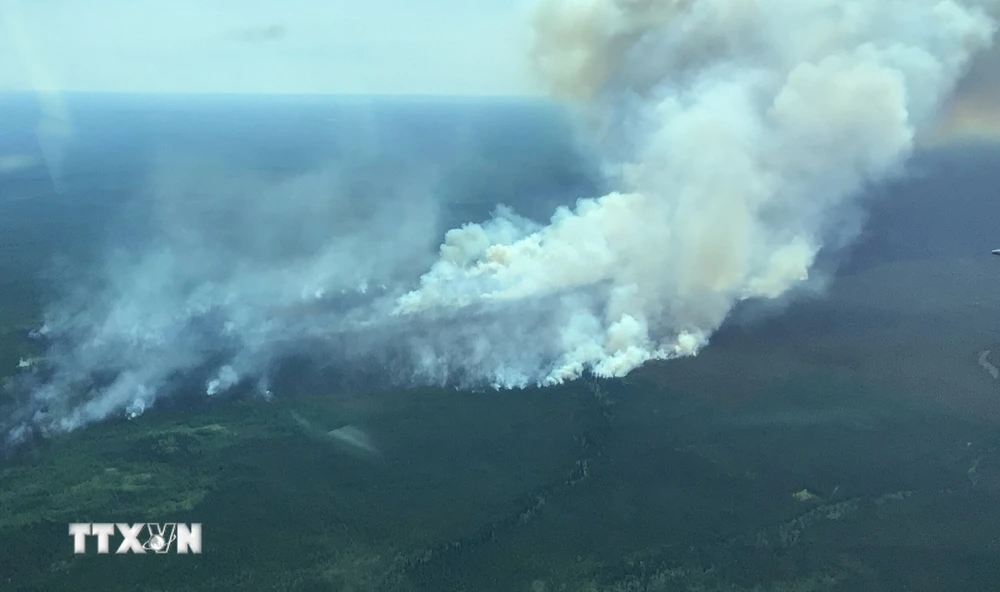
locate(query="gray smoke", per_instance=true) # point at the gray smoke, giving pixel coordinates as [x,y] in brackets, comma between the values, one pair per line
[242,270]
[737,132]
[743,128]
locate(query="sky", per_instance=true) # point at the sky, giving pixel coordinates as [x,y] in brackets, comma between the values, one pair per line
[446,47]
[373,47]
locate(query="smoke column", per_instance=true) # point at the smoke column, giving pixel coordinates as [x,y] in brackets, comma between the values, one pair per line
[738,133]
[741,128]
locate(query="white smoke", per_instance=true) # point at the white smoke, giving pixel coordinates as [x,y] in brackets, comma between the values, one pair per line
[743,126]
[240,271]
[738,132]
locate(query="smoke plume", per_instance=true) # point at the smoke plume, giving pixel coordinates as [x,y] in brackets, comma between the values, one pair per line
[742,129]
[737,133]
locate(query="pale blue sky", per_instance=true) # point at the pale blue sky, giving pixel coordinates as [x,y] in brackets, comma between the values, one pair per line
[467,47]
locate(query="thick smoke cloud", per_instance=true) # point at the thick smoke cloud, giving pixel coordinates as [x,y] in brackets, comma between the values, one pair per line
[743,128]
[737,133]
